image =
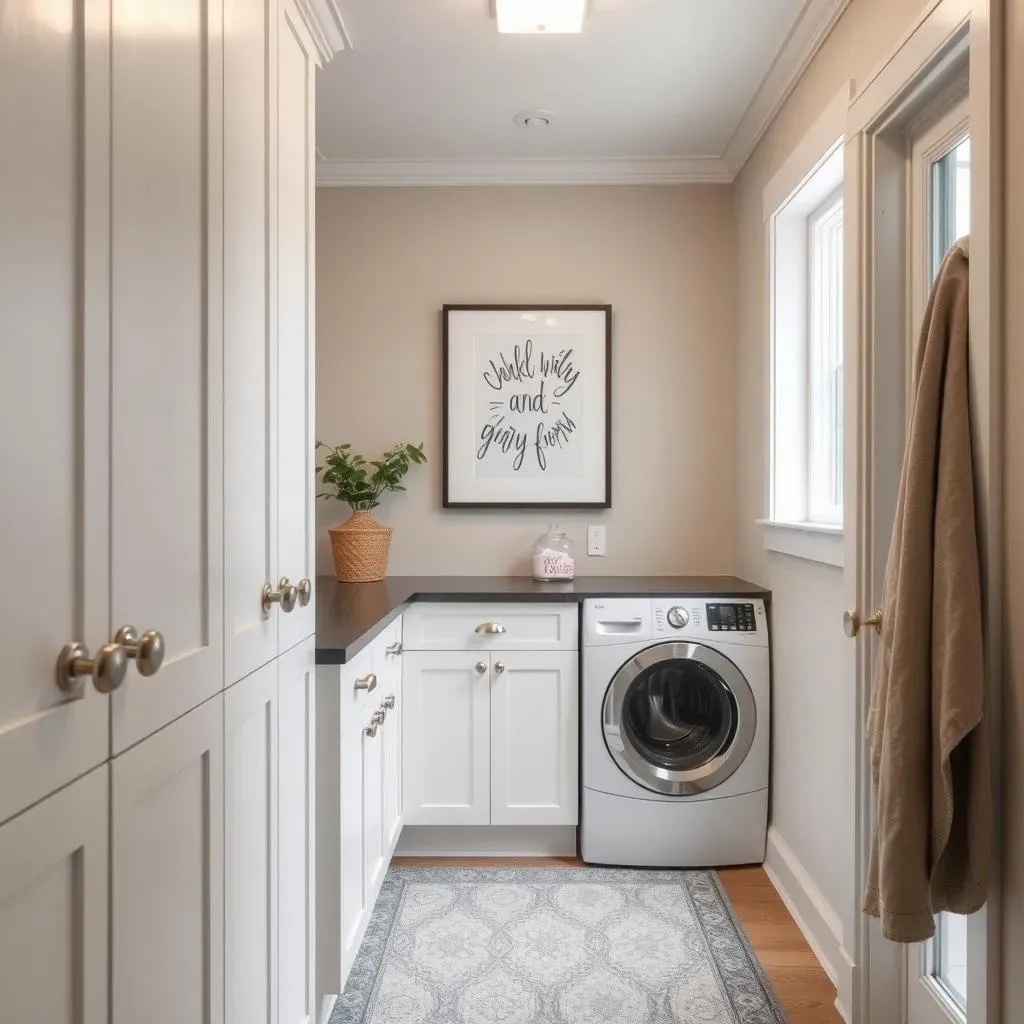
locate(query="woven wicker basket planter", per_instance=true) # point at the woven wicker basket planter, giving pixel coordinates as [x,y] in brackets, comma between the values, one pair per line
[360,548]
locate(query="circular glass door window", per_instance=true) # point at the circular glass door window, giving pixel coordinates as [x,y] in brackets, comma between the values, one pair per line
[679,718]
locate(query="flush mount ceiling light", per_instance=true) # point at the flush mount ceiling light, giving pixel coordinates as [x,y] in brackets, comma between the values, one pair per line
[534,118]
[549,17]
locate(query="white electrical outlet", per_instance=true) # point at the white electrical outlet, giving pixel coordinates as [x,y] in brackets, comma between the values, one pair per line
[596,540]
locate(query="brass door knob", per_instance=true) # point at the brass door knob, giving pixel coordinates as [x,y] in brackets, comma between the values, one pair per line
[389,702]
[286,595]
[852,623]
[147,651]
[107,669]
[305,592]
[395,649]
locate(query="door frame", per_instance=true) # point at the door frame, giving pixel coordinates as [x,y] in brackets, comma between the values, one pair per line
[945,32]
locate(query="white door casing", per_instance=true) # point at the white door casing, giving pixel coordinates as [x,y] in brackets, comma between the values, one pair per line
[250,388]
[534,738]
[251,875]
[54,907]
[167,854]
[446,738]
[294,320]
[166,356]
[296,781]
[54,389]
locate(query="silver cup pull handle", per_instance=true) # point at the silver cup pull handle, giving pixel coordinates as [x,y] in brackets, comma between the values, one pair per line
[367,683]
[490,628]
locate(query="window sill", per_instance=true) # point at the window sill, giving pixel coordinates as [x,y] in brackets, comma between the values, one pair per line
[811,541]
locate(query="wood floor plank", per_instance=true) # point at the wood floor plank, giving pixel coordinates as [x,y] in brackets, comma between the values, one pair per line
[802,987]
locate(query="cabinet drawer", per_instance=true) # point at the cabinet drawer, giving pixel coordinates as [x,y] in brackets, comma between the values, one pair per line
[491,627]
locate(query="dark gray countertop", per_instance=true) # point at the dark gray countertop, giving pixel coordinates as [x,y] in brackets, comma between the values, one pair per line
[350,615]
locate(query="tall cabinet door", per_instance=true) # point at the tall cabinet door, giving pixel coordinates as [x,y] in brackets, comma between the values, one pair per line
[294,315]
[53,907]
[166,359]
[250,401]
[296,774]
[167,851]
[534,738]
[446,738]
[54,404]
[250,847]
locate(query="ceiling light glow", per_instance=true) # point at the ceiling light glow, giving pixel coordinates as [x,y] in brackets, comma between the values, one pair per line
[547,17]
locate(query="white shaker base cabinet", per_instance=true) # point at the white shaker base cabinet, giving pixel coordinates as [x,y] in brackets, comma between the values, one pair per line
[167,852]
[54,905]
[447,738]
[535,738]
[491,738]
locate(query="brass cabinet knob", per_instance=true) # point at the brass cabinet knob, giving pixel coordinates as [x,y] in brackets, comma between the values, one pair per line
[481,667]
[389,702]
[490,628]
[107,669]
[286,595]
[367,683]
[852,623]
[147,650]
[305,592]
[499,667]
[395,649]
[376,721]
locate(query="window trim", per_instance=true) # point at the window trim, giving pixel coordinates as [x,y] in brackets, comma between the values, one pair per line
[813,541]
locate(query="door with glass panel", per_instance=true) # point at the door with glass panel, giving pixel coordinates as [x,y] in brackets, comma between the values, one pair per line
[937,990]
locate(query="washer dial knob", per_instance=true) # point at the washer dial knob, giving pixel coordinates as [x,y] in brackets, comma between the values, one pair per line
[677,617]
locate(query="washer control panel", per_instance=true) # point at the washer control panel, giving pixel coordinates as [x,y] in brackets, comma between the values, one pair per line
[731,617]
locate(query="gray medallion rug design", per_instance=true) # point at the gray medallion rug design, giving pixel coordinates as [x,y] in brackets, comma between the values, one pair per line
[554,946]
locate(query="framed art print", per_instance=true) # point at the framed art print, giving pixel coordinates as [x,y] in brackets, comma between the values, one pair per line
[527,406]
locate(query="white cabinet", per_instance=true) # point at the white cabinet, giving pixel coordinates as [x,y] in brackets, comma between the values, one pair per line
[359,796]
[167,851]
[268,330]
[251,828]
[296,836]
[447,738]
[53,907]
[491,738]
[534,738]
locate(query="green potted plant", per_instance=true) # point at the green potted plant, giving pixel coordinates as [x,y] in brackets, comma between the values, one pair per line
[360,544]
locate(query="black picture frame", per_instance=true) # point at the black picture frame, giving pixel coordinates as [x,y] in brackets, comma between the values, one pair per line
[538,308]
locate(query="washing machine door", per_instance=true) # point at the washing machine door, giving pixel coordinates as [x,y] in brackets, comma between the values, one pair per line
[679,718]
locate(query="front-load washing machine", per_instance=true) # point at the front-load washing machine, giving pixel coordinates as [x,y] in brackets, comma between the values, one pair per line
[676,716]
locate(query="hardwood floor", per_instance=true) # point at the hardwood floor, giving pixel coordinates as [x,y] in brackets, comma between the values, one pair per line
[801,985]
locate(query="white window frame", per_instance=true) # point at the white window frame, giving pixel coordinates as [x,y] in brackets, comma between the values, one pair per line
[810,177]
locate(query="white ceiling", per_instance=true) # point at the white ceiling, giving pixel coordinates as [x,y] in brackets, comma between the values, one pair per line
[652,90]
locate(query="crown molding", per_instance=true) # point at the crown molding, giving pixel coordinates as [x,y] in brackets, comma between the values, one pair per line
[447,173]
[809,31]
[326,25]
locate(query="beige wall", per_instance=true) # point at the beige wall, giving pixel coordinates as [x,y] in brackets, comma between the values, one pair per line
[813,776]
[1013,675]
[388,259]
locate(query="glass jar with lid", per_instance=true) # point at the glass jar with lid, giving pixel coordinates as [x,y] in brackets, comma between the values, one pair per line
[554,556]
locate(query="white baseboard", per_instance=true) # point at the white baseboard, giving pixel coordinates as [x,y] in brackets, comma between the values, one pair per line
[487,841]
[814,916]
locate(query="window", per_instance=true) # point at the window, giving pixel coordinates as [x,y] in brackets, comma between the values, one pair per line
[805,234]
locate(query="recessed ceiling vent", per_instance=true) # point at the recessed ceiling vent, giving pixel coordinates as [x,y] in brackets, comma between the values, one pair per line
[534,118]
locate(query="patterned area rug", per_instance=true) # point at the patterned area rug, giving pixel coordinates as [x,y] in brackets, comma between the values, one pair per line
[554,946]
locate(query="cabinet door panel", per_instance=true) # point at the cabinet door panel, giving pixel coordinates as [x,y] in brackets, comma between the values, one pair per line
[168,888]
[54,389]
[534,739]
[250,402]
[295,350]
[391,752]
[296,845]
[250,847]
[373,811]
[446,739]
[53,907]
[166,358]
